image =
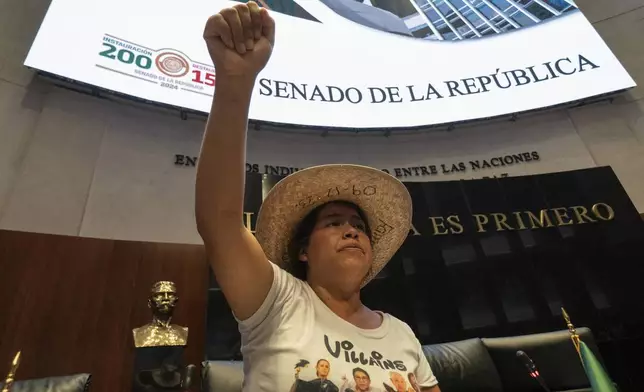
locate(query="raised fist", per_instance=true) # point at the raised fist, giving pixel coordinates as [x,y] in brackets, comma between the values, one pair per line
[240,40]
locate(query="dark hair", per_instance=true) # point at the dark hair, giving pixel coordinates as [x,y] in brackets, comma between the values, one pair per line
[303,233]
[356,370]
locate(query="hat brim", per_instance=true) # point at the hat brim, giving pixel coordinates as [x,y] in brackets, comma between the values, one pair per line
[383,199]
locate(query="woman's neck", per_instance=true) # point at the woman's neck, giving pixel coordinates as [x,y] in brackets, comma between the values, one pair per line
[348,307]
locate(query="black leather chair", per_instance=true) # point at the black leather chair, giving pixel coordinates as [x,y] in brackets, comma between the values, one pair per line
[73,383]
[222,376]
[463,366]
[481,365]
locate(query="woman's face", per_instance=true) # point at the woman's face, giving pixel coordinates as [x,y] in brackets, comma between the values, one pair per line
[338,244]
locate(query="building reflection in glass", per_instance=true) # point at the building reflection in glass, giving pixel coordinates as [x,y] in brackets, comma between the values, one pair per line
[463,19]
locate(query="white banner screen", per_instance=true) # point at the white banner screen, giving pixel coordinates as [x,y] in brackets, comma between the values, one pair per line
[343,63]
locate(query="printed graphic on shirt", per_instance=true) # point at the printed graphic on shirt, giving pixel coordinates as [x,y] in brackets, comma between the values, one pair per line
[346,369]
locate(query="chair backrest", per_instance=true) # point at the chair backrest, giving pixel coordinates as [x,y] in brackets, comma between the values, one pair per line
[553,353]
[73,383]
[463,366]
[222,376]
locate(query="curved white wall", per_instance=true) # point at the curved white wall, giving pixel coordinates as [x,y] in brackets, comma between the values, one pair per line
[77,165]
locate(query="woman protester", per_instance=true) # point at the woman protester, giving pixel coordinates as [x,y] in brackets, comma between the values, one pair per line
[322,234]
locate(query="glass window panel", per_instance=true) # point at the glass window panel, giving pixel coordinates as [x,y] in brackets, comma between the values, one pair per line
[469,34]
[488,12]
[487,31]
[425,32]
[456,21]
[432,15]
[442,28]
[477,22]
[449,36]
[503,25]
[473,18]
[481,26]
[570,8]
[466,31]
[502,4]
[523,20]
[559,5]
[457,3]
[540,12]
[443,7]
[460,26]
[496,19]
[465,10]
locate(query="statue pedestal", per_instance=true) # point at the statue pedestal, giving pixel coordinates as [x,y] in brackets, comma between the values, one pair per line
[159,369]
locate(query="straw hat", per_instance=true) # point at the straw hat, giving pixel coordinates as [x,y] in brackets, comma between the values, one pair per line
[384,200]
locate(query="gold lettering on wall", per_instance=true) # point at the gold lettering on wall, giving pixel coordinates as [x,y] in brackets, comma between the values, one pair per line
[603,211]
[455,224]
[480,221]
[510,221]
[413,230]
[581,213]
[443,226]
[525,220]
[561,213]
[438,225]
[501,222]
[541,221]
[519,219]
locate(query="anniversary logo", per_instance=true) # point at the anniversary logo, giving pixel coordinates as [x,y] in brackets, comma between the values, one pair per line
[344,63]
[167,68]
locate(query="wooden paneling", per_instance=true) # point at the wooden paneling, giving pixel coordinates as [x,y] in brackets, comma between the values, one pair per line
[70,303]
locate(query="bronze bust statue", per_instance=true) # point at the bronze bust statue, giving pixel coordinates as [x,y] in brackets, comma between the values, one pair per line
[160,332]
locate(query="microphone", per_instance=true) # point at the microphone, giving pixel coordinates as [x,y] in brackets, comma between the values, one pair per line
[532,369]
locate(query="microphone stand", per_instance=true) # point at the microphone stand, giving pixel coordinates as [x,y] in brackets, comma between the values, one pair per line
[540,380]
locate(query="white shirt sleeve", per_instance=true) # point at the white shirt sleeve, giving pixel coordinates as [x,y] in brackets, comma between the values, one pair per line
[424,374]
[285,289]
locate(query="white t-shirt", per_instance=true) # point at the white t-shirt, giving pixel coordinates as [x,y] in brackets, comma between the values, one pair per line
[295,343]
